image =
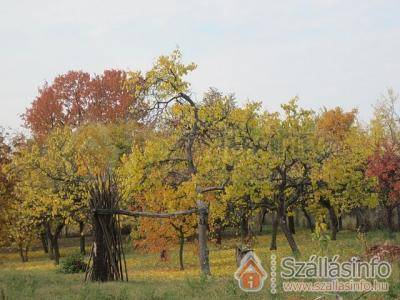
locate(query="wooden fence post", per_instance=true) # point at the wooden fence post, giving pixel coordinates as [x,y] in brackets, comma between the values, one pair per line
[202,231]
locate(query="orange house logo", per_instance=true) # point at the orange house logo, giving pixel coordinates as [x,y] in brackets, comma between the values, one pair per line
[250,275]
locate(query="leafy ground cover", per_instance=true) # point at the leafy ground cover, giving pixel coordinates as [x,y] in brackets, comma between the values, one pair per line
[149,278]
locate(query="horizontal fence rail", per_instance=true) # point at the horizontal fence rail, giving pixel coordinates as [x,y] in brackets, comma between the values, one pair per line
[105,211]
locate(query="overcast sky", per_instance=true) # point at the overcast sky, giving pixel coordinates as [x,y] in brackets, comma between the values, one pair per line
[327,52]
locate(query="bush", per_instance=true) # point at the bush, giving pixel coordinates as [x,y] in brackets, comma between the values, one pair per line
[73,264]
[126,229]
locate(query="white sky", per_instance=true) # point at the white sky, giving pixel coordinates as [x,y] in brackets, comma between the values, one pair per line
[328,52]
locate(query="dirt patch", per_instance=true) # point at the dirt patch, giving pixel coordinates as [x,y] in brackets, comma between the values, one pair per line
[386,252]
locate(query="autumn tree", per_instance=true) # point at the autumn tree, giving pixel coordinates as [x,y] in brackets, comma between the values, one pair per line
[48,185]
[272,160]
[16,229]
[5,183]
[385,128]
[386,121]
[77,98]
[341,184]
[332,127]
[384,165]
[22,229]
[185,127]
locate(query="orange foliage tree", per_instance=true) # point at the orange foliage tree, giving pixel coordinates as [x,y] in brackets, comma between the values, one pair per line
[76,98]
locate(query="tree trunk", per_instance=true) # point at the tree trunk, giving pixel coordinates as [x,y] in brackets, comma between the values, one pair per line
[181,244]
[244,228]
[54,242]
[310,223]
[362,223]
[263,212]
[26,252]
[275,223]
[358,218]
[297,218]
[82,238]
[398,217]
[334,222]
[49,243]
[44,240]
[218,231]
[389,211]
[53,238]
[287,232]
[332,216]
[21,253]
[340,224]
[291,224]
[202,231]
[51,250]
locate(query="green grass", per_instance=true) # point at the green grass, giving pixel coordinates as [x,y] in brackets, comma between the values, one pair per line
[152,279]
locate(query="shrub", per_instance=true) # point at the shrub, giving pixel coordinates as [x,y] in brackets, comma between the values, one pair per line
[73,264]
[126,229]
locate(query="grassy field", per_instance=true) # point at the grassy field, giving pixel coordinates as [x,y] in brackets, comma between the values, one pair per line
[152,279]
